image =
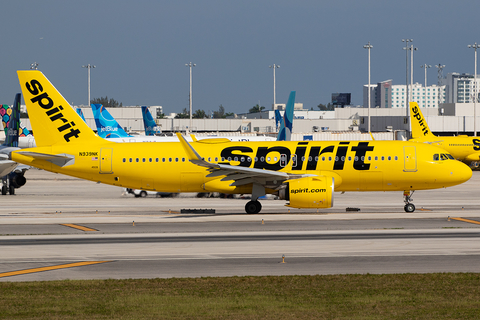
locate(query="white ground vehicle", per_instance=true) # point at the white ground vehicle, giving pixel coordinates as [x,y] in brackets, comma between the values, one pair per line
[143,193]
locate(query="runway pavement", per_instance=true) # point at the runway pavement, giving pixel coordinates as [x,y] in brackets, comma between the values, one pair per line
[42,228]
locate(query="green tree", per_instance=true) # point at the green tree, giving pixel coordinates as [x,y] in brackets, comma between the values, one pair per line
[220,113]
[183,115]
[112,103]
[199,114]
[256,109]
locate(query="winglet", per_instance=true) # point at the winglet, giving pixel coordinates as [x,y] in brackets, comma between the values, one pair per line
[192,154]
[420,127]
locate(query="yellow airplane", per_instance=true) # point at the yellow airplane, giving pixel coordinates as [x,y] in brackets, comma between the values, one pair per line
[306,173]
[463,148]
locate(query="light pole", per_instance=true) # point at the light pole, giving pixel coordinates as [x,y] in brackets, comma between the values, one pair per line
[190,65]
[475,91]
[426,66]
[406,48]
[274,66]
[34,66]
[88,66]
[368,46]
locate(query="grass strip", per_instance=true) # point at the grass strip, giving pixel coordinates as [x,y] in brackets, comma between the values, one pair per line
[401,296]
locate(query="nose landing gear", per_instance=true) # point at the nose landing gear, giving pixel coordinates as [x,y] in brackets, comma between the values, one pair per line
[409,207]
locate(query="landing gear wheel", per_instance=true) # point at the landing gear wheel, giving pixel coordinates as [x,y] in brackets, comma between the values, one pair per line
[11,190]
[409,207]
[253,207]
[4,190]
[143,194]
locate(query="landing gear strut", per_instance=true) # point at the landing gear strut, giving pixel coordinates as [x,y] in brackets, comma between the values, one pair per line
[409,207]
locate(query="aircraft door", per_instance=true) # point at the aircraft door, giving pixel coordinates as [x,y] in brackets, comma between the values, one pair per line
[410,159]
[106,160]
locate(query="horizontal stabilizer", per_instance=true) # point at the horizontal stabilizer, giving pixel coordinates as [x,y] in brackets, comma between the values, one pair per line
[61,160]
[6,166]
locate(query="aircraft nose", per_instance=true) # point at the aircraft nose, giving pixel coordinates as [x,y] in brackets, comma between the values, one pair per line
[460,172]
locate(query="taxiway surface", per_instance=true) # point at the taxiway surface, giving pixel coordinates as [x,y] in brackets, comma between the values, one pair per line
[131,237]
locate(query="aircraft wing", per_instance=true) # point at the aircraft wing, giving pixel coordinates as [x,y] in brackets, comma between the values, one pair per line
[239,175]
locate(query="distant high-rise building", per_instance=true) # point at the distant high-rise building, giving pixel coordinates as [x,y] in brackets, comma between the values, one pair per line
[388,95]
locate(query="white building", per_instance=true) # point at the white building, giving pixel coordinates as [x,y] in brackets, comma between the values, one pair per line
[459,88]
[387,95]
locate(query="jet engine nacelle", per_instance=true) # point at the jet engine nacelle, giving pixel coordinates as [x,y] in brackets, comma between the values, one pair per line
[310,192]
[17,179]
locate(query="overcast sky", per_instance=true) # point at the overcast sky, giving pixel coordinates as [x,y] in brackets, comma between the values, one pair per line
[140,48]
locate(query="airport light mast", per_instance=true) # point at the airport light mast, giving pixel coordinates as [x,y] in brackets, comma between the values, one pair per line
[274,66]
[190,65]
[88,66]
[368,46]
[475,90]
[426,66]
[407,107]
[34,66]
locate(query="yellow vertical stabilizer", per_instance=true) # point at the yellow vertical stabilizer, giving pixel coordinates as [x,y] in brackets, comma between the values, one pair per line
[53,120]
[420,127]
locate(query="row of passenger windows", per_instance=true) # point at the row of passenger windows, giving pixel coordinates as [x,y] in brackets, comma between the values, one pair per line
[262,159]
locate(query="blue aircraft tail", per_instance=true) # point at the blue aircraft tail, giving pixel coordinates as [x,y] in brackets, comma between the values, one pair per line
[6,115]
[278,120]
[80,113]
[151,127]
[285,131]
[107,126]
[13,127]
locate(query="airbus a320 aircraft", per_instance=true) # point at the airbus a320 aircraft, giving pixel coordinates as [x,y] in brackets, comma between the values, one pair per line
[304,173]
[463,148]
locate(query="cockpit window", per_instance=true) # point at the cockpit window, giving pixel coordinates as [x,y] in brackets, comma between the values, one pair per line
[442,156]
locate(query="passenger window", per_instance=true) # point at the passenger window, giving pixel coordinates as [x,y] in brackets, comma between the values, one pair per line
[209,159]
[130,160]
[242,159]
[329,158]
[156,159]
[356,158]
[389,158]
[136,159]
[323,158]
[183,159]
[396,158]
[176,159]
[370,158]
[143,160]
[163,159]
[150,160]
[216,159]
[383,158]
[376,158]
[349,158]
[235,159]
[262,159]
[124,160]
[169,159]
[316,159]
[363,158]
[343,158]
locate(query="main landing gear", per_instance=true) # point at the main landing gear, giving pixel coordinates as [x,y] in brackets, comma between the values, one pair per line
[254,206]
[409,207]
